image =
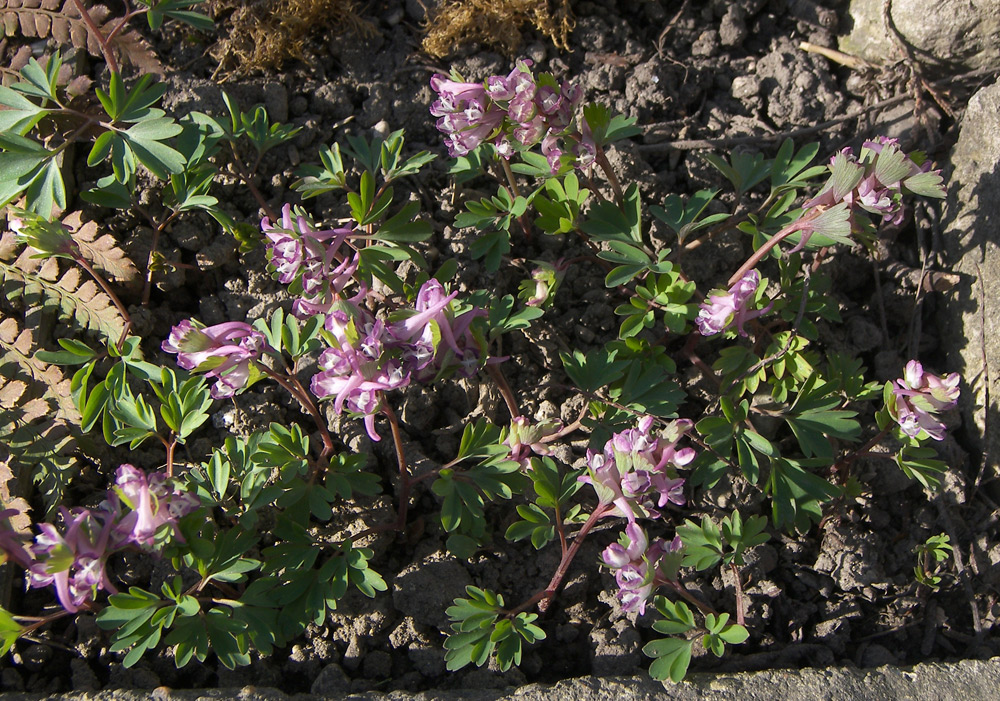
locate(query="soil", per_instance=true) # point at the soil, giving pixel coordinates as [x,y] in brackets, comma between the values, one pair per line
[842,594]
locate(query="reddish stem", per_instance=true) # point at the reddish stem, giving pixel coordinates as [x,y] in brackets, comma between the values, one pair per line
[759,254]
[82,262]
[740,613]
[544,597]
[171,446]
[92,27]
[691,598]
[845,461]
[609,172]
[300,394]
[508,395]
[404,471]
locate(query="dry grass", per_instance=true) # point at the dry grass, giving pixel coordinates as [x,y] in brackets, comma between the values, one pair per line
[495,23]
[264,34]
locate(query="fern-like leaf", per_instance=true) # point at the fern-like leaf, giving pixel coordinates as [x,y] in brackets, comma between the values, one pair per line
[61,19]
[39,285]
[37,415]
[101,250]
[11,495]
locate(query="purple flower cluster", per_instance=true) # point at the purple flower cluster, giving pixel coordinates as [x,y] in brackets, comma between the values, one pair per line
[638,566]
[875,182]
[74,561]
[637,469]
[512,109]
[371,356]
[725,310]
[919,397]
[309,261]
[224,351]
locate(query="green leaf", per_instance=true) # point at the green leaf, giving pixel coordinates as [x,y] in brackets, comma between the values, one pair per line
[744,170]
[606,222]
[921,463]
[673,656]
[595,370]
[21,114]
[10,631]
[404,227]
[797,495]
[677,617]
[492,246]
[683,219]
[145,139]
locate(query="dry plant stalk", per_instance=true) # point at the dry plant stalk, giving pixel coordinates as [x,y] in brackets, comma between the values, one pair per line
[496,23]
[266,34]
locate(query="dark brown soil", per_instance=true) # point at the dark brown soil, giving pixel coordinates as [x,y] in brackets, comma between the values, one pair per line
[842,594]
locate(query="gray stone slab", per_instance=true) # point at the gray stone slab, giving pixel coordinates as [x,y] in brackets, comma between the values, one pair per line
[969,680]
[971,244]
[952,35]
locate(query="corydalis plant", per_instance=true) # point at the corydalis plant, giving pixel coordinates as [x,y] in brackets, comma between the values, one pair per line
[917,400]
[513,112]
[726,310]
[876,181]
[140,511]
[224,351]
[309,261]
[368,356]
[637,468]
[640,566]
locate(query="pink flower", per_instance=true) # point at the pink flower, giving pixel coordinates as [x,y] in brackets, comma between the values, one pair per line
[723,311]
[468,114]
[309,260]
[638,566]
[874,183]
[638,467]
[223,351]
[919,397]
[525,438]
[358,369]
[435,340]
[74,560]
[154,503]
[74,563]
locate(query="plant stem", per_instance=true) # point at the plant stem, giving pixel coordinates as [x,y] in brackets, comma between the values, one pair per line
[508,396]
[92,27]
[566,430]
[860,452]
[740,613]
[245,176]
[148,284]
[404,471]
[691,598]
[82,262]
[38,622]
[171,446]
[759,254]
[124,21]
[609,172]
[509,174]
[307,403]
[696,360]
[544,597]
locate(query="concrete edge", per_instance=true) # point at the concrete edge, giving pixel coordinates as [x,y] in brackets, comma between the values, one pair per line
[968,680]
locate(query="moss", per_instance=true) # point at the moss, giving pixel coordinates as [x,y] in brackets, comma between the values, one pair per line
[496,23]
